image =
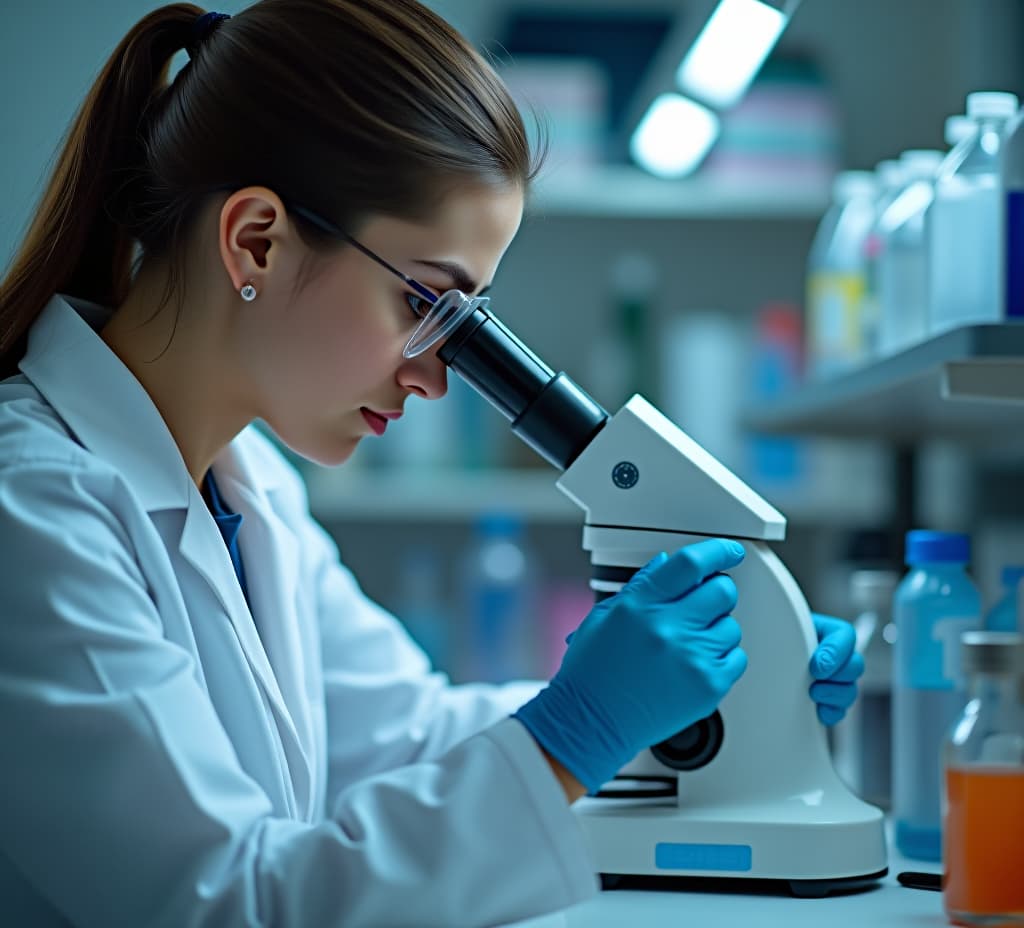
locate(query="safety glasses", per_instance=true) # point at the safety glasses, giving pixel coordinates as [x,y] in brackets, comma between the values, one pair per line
[446,312]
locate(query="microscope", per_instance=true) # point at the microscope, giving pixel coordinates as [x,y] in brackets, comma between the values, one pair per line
[750,791]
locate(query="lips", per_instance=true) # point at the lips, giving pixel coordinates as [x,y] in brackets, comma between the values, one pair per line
[377,423]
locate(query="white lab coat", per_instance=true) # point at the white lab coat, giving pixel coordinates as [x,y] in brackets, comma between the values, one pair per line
[168,758]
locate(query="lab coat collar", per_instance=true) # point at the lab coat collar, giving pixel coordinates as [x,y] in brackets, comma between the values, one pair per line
[106,407]
[102,402]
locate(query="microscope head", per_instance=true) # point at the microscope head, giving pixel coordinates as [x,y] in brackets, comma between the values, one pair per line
[642,472]
[634,471]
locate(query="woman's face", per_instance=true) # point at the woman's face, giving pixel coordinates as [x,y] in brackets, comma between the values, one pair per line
[328,363]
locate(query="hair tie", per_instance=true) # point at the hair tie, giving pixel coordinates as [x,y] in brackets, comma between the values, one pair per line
[202,27]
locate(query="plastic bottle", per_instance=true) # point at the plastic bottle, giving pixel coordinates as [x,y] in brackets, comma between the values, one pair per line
[1004,616]
[862,740]
[699,347]
[1012,183]
[891,175]
[956,129]
[835,276]
[498,593]
[964,220]
[903,268]
[983,805]
[935,602]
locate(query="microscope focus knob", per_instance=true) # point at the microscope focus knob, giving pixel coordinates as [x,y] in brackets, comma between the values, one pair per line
[694,746]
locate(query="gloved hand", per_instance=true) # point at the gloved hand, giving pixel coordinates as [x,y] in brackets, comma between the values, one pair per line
[644,664]
[835,665]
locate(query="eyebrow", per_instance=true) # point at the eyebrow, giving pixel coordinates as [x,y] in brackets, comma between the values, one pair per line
[457,273]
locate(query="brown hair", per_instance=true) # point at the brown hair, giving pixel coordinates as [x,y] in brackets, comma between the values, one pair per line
[347,107]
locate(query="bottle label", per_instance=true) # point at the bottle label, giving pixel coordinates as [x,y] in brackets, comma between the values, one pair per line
[836,330]
[1014,262]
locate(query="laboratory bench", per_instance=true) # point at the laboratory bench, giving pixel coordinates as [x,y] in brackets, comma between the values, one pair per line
[887,905]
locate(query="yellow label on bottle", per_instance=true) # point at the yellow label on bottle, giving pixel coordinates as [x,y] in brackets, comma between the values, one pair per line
[835,321]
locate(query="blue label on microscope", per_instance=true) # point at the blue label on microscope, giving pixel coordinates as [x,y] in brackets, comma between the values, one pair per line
[1015,254]
[733,857]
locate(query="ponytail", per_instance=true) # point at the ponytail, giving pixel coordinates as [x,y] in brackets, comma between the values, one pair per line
[79,241]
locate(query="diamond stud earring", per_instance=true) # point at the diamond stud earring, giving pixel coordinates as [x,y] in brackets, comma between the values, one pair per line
[248,292]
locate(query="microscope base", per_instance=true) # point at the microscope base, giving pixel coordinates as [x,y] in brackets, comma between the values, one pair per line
[807,851]
[802,889]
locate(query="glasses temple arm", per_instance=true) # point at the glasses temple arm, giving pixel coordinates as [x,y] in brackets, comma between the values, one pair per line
[332,229]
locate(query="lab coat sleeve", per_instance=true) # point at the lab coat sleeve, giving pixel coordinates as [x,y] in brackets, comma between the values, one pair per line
[384,705]
[123,802]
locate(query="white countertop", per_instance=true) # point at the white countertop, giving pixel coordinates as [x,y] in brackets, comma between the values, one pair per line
[888,905]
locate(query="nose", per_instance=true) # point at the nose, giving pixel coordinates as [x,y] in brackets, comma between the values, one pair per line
[425,376]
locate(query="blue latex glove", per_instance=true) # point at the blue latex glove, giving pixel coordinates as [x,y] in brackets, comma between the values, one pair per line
[644,664]
[835,666]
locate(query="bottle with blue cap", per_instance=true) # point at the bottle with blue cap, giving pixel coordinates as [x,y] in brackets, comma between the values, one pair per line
[935,602]
[1004,616]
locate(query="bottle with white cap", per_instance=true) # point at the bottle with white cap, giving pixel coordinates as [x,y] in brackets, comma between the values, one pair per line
[963,223]
[891,175]
[862,741]
[835,275]
[957,128]
[902,267]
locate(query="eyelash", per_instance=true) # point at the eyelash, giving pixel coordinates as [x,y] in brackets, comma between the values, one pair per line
[413,300]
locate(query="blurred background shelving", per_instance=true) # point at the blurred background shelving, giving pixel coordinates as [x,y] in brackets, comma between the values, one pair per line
[721,260]
[966,384]
[626,192]
[460,496]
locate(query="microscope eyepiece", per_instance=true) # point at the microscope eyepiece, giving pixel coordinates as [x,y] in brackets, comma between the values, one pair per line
[548,411]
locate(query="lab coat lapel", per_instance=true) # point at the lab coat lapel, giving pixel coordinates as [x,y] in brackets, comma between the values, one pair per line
[203,548]
[271,552]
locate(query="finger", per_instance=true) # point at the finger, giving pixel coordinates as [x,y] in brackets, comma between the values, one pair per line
[690,566]
[837,643]
[642,576]
[710,601]
[836,695]
[829,715]
[850,672]
[734,664]
[724,635]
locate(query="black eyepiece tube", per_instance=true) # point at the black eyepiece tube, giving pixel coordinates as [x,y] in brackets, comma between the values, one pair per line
[548,411]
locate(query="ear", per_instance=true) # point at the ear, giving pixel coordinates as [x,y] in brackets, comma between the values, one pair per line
[252,221]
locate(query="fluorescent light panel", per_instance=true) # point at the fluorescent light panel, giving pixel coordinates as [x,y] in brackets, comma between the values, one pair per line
[674,136]
[730,50]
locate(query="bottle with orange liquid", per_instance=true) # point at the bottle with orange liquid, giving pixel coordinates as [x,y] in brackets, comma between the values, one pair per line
[983,796]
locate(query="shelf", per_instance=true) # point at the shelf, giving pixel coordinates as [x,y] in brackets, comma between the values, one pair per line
[627,192]
[443,495]
[967,383]
[336,496]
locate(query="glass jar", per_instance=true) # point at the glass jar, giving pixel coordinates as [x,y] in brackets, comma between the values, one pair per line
[983,795]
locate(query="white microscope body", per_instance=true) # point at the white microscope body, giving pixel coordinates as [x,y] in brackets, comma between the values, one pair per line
[760,800]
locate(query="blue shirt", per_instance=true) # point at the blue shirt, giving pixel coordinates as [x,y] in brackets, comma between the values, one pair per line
[229,523]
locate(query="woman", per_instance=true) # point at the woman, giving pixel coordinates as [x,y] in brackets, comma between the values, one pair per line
[204,721]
